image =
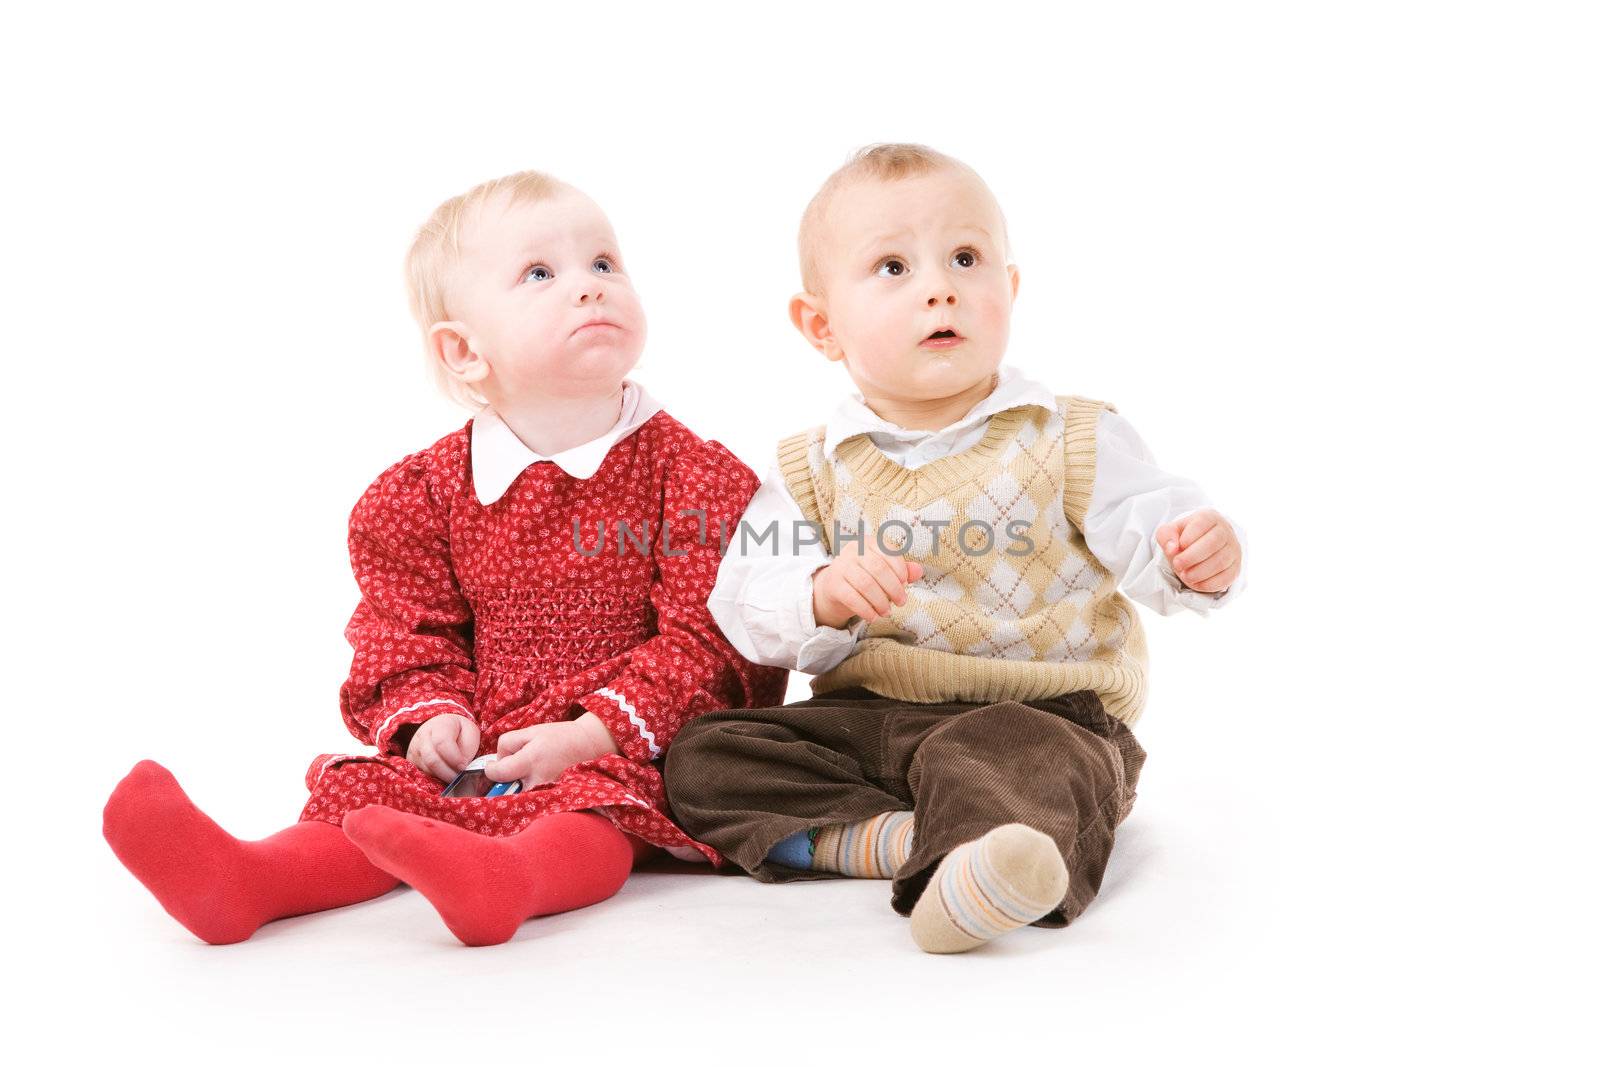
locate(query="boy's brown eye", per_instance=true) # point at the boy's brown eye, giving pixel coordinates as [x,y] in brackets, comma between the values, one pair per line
[964,258]
[891,268]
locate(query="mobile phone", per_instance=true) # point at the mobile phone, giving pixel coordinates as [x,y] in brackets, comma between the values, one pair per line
[473,782]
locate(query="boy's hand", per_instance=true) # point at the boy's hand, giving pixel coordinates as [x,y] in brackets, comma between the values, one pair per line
[1204,551]
[863,582]
[444,745]
[538,754]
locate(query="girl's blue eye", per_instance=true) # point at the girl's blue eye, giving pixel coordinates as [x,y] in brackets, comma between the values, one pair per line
[538,273]
[602,266]
[966,257]
[892,268]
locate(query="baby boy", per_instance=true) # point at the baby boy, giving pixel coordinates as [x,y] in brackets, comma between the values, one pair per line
[945,555]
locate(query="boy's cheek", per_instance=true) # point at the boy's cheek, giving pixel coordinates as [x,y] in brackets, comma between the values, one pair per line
[877,361]
[995,315]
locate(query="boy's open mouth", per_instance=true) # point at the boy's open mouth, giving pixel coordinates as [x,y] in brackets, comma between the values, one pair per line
[942,339]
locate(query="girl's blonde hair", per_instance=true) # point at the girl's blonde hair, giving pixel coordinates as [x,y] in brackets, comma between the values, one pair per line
[437,248]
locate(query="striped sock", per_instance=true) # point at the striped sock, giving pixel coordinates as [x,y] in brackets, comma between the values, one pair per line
[1006,879]
[872,848]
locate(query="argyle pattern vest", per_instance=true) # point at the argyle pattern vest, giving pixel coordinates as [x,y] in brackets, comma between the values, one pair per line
[1012,605]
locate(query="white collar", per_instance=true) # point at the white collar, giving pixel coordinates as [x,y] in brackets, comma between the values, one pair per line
[853,417]
[499,456]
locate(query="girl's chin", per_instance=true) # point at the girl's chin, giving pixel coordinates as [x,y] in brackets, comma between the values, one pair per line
[599,355]
[588,359]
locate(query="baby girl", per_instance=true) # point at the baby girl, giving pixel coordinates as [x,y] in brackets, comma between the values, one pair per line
[533,586]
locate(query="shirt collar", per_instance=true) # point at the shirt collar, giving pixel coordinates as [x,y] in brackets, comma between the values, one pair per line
[853,417]
[499,456]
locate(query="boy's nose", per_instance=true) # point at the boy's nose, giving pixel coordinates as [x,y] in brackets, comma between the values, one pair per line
[945,296]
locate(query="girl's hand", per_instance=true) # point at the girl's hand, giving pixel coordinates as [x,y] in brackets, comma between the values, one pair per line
[444,745]
[862,583]
[1204,550]
[538,754]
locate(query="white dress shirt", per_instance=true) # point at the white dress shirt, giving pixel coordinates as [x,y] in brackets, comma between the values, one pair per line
[499,456]
[763,602]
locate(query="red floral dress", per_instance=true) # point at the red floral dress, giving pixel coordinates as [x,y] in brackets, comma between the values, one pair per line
[493,612]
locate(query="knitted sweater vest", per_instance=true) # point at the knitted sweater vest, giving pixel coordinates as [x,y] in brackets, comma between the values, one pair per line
[1033,616]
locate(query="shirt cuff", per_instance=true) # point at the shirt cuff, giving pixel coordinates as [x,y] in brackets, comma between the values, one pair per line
[412,715]
[1193,599]
[628,728]
[822,648]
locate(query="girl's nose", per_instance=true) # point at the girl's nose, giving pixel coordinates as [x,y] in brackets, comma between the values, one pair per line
[591,294]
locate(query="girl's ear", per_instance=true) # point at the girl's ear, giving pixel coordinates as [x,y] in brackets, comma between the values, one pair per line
[1011,269]
[810,317]
[450,345]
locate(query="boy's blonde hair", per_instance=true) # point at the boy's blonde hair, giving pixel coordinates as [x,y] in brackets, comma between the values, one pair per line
[886,162]
[438,246]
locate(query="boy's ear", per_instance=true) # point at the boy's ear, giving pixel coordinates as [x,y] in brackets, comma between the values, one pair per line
[1011,269]
[449,345]
[807,313]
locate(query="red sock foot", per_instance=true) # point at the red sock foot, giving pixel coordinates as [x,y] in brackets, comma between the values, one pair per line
[221,888]
[485,887]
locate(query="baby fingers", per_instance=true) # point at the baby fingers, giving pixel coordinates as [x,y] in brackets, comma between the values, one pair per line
[1212,575]
[509,768]
[1207,545]
[428,758]
[865,584]
[890,574]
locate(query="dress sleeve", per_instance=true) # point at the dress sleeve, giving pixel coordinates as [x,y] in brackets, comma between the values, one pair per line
[688,668]
[1132,498]
[412,630]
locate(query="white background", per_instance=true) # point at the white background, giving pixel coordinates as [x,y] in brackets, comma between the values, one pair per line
[1336,262]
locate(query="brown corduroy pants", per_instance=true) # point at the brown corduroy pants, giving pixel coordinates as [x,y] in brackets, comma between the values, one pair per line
[743,779]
